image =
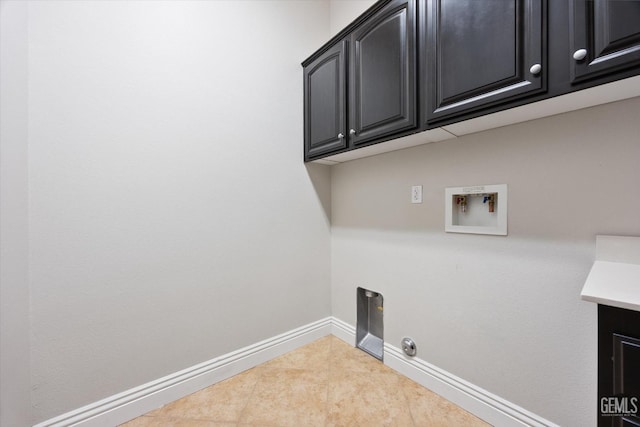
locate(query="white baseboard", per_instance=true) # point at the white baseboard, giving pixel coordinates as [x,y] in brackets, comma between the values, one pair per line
[343,330]
[483,404]
[137,401]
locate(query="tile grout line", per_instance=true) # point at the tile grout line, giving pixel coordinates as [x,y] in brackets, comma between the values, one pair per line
[406,398]
[260,372]
[326,403]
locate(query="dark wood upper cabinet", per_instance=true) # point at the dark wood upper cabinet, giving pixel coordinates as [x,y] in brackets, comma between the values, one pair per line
[361,89]
[325,118]
[477,54]
[405,66]
[605,37]
[382,74]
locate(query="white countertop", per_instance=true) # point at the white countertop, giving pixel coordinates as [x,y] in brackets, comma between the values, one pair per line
[614,278]
[613,283]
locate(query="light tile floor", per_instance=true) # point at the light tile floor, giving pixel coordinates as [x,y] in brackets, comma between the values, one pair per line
[326,383]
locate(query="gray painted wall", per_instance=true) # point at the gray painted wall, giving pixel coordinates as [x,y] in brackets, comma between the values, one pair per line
[501,312]
[343,12]
[171,218]
[15,390]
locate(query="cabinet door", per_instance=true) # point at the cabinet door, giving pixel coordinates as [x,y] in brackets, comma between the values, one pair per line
[480,53]
[605,36]
[325,102]
[382,73]
[626,374]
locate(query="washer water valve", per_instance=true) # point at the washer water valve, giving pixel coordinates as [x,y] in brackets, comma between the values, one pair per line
[491,198]
[409,347]
[462,201]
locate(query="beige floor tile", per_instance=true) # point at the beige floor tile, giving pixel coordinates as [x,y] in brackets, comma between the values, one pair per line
[328,383]
[144,421]
[351,359]
[314,356]
[430,409]
[154,412]
[147,421]
[222,402]
[288,397]
[367,399]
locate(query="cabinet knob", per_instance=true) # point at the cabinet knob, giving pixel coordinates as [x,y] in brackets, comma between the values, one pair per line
[352,132]
[340,135]
[580,54]
[535,69]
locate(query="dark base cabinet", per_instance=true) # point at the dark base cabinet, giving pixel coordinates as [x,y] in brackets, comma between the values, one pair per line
[618,367]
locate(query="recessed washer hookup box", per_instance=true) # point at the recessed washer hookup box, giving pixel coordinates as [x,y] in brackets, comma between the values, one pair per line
[476,209]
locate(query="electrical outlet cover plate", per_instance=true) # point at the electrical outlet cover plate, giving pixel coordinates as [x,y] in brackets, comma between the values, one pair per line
[416,194]
[477,217]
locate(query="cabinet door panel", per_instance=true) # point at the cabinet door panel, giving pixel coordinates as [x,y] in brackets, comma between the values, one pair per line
[324,103]
[609,31]
[463,49]
[382,74]
[479,53]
